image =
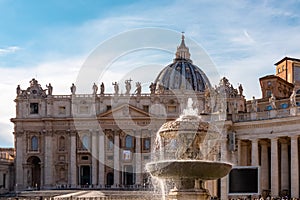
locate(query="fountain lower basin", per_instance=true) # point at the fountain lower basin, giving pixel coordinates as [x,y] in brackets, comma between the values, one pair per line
[194,169]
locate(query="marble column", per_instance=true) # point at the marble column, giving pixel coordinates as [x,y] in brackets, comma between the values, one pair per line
[72,167]
[94,158]
[138,158]
[101,160]
[294,167]
[284,165]
[264,166]
[117,159]
[48,161]
[254,152]
[274,168]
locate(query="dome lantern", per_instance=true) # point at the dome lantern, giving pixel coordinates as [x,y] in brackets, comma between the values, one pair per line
[182,74]
[183,51]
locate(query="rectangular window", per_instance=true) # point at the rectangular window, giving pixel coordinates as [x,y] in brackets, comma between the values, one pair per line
[62,110]
[269,93]
[110,157]
[84,158]
[172,109]
[146,108]
[62,158]
[84,110]
[146,144]
[296,74]
[108,108]
[34,108]
[110,144]
[126,155]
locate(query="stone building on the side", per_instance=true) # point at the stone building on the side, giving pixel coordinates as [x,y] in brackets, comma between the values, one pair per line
[7,170]
[102,140]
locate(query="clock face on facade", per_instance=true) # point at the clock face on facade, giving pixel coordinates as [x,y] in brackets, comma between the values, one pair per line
[269,83]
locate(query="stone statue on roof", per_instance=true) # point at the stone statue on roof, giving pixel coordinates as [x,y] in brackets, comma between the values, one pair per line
[102,88]
[272,100]
[50,89]
[293,98]
[73,88]
[95,89]
[116,87]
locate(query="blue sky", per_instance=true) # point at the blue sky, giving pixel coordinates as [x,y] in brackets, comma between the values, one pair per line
[50,40]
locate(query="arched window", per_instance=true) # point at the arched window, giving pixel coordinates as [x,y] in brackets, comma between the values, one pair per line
[61,143]
[128,141]
[85,142]
[34,143]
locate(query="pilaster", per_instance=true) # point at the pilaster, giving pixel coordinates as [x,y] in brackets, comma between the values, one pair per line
[101,159]
[138,158]
[94,158]
[72,167]
[48,160]
[116,158]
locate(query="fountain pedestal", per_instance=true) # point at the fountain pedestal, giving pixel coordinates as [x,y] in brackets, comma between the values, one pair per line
[190,195]
[186,189]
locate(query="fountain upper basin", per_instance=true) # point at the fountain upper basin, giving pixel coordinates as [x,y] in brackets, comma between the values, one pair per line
[200,169]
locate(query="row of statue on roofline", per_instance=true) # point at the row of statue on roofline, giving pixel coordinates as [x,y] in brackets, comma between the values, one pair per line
[216,98]
[38,90]
[212,95]
[272,102]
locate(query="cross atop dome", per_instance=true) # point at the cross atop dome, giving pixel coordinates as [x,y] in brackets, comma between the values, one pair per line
[182,50]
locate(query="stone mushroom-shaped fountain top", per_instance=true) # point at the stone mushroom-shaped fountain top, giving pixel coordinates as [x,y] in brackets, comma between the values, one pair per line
[185,153]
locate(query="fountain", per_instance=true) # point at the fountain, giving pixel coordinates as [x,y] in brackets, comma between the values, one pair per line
[185,153]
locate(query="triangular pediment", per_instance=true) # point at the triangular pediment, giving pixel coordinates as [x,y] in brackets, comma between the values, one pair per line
[125,111]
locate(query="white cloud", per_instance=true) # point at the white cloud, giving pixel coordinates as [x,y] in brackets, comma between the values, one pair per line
[8,50]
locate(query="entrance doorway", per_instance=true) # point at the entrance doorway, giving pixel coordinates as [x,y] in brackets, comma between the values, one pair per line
[128,175]
[109,179]
[85,175]
[34,173]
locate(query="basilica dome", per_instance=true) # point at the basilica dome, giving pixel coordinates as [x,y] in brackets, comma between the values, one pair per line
[182,74]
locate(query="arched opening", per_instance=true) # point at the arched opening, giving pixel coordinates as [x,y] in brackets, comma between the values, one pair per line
[34,172]
[109,179]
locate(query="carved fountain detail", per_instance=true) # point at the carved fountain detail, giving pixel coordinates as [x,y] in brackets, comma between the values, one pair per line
[186,153]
